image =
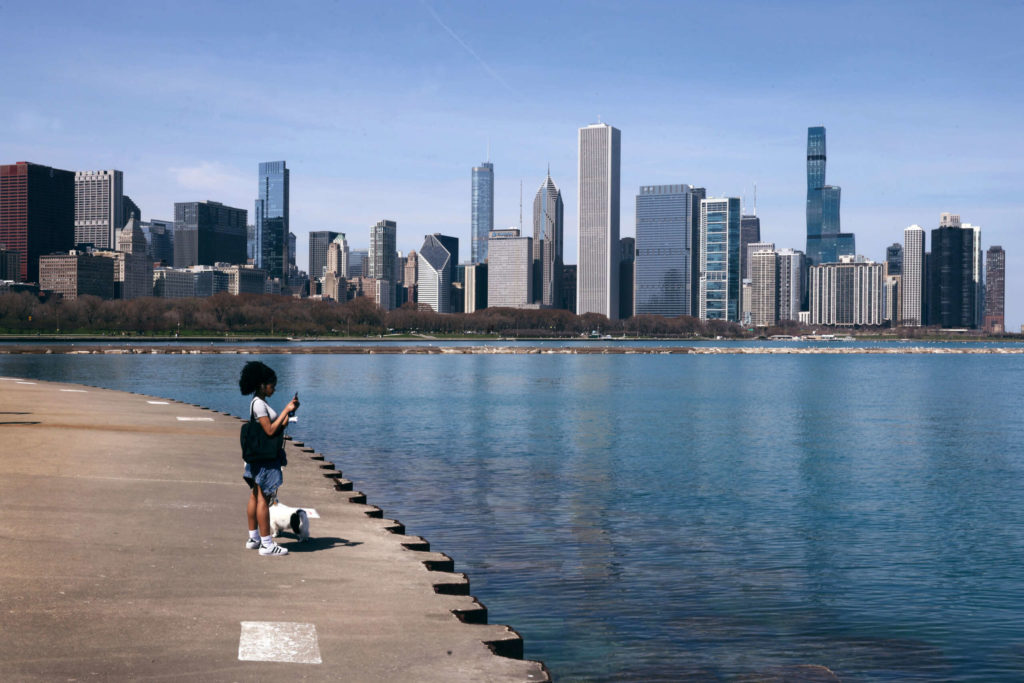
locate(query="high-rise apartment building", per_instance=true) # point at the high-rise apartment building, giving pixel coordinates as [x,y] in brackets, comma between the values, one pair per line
[99,207]
[319,241]
[433,283]
[597,289]
[952,279]
[548,229]
[208,232]
[995,290]
[481,210]
[747,254]
[37,214]
[381,261]
[510,269]
[893,302]
[662,278]
[825,242]
[272,219]
[791,278]
[750,232]
[912,278]
[764,288]
[847,293]
[720,259]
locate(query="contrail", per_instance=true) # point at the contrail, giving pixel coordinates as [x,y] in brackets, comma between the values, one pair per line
[468,49]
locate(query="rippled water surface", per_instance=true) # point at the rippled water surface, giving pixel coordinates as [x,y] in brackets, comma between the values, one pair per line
[646,518]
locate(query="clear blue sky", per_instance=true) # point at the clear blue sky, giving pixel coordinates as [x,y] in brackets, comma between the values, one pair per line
[382,108]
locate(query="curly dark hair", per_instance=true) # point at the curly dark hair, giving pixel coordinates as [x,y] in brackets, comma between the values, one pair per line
[254,375]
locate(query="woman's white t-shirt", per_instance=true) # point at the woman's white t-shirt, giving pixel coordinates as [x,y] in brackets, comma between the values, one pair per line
[261,408]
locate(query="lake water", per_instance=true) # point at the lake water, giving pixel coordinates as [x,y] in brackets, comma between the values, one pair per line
[652,518]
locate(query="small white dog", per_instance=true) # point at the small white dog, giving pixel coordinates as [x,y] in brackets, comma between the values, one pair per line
[284,518]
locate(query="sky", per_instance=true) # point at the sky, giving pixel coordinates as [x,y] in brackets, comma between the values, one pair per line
[381,109]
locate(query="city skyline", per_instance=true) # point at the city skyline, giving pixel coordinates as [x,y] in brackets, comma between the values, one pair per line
[396,135]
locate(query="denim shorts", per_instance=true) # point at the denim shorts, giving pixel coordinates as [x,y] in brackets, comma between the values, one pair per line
[267,477]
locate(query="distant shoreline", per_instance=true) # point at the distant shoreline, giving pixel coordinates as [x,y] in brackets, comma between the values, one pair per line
[435,350]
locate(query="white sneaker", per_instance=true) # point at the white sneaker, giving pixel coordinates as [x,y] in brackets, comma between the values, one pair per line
[252,543]
[273,549]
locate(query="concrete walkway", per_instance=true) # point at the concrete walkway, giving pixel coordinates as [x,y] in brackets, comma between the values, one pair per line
[122,523]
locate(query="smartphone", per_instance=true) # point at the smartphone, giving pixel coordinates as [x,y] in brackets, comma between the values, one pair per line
[292,418]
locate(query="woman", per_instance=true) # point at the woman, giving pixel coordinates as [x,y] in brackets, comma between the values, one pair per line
[263,478]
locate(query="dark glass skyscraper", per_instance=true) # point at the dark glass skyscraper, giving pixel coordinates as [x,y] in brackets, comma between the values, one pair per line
[825,242]
[482,210]
[208,232]
[750,231]
[894,259]
[319,241]
[37,214]
[952,296]
[272,212]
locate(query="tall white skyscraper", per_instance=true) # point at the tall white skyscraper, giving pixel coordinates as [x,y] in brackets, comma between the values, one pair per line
[790,277]
[433,280]
[597,274]
[764,283]
[913,276]
[99,208]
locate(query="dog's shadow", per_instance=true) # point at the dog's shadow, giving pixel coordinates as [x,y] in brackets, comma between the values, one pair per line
[319,543]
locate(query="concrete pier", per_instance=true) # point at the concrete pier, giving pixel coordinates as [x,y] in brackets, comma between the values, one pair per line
[122,558]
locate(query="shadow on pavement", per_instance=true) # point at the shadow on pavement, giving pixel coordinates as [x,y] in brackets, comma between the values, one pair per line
[314,544]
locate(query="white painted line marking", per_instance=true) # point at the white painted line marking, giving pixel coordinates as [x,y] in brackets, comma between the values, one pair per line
[9,379]
[25,382]
[158,403]
[75,391]
[279,641]
[195,419]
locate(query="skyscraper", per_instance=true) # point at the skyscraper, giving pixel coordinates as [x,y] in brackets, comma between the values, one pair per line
[99,208]
[720,259]
[825,242]
[952,287]
[319,242]
[272,219]
[764,288]
[208,232]
[995,290]
[848,293]
[433,281]
[510,269]
[912,279]
[37,213]
[894,258]
[159,236]
[482,210]
[663,245]
[750,232]
[791,276]
[548,229]
[597,274]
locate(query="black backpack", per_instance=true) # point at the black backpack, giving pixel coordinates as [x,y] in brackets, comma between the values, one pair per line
[257,447]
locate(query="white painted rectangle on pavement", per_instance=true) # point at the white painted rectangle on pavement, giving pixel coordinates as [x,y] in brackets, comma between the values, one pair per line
[158,403]
[195,419]
[279,641]
[25,382]
[75,391]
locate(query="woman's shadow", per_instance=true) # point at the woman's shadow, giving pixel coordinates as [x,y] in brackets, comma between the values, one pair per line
[320,543]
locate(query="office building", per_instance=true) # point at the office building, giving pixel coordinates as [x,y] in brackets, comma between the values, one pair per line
[433,283]
[272,220]
[847,293]
[357,259]
[99,208]
[246,280]
[451,244]
[627,274]
[510,269]
[76,274]
[952,289]
[133,268]
[791,278]
[912,280]
[825,242]
[995,290]
[159,236]
[569,279]
[173,283]
[481,210]
[548,229]
[337,256]
[10,265]
[412,269]
[208,232]
[720,259]
[750,233]
[978,275]
[698,193]
[662,276]
[475,287]
[894,258]
[597,289]
[747,254]
[37,214]
[319,241]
